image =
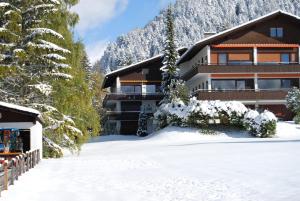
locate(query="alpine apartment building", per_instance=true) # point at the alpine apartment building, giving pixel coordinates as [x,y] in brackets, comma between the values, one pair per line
[255,63]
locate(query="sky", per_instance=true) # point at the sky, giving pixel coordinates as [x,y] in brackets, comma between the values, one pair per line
[102,21]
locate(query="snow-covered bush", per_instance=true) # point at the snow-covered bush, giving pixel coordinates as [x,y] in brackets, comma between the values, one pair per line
[249,120]
[173,113]
[261,125]
[293,100]
[201,114]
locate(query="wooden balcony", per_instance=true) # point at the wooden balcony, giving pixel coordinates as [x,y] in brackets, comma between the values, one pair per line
[132,97]
[242,95]
[249,68]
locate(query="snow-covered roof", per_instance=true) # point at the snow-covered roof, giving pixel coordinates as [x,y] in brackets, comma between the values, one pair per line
[192,51]
[20,108]
[134,65]
[140,64]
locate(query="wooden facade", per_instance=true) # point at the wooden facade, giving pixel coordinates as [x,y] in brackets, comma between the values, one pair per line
[11,115]
[264,51]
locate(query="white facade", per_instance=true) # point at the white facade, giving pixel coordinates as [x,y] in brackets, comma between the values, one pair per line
[203,57]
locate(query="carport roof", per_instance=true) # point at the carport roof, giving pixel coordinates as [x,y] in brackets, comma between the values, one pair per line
[19,108]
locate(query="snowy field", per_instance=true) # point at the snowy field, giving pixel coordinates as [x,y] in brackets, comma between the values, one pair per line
[172,165]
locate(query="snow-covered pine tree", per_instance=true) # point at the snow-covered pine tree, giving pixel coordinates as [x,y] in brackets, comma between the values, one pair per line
[142,123]
[10,32]
[87,67]
[39,43]
[46,65]
[170,70]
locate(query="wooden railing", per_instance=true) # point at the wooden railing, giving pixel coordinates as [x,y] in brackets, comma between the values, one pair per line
[240,95]
[132,96]
[259,68]
[11,169]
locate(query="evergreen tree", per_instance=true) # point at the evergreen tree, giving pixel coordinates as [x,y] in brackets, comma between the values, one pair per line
[10,31]
[173,87]
[44,70]
[142,124]
[170,75]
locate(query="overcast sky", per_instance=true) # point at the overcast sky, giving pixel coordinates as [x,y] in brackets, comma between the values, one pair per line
[102,21]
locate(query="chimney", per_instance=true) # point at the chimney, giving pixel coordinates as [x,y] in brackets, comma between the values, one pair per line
[209,34]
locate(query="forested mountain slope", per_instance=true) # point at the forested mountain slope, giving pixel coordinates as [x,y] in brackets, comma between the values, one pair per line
[192,19]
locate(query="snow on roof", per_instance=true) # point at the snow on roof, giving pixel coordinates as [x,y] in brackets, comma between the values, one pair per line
[232,29]
[133,65]
[141,62]
[20,108]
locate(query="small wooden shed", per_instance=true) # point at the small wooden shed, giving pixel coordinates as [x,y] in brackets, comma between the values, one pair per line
[27,120]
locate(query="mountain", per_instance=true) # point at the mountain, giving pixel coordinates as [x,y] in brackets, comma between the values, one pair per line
[192,19]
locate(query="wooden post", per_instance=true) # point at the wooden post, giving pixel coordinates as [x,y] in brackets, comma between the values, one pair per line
[17,167]
[12,174]
[5,169]
[1,164]
[23,161]
[32,160]
[39,158]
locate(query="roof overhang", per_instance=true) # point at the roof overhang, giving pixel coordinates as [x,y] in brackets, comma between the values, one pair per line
[21,110]
[192,51]
[110,77]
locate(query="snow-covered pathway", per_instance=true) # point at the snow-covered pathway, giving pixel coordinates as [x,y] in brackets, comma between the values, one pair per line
[120,168]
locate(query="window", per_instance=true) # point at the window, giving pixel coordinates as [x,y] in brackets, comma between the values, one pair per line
[150,89]
[276,32]
[269,84]
[131,89]
[222,59]
[137,89]
[240,84]
[277,83]
[280,32]
[223,84]
[273,32]
[145,71]
[285,58]
[232,84]
[131,106]
[127,89]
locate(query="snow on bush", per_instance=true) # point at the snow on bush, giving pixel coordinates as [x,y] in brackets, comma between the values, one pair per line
[262,125]
[204,113]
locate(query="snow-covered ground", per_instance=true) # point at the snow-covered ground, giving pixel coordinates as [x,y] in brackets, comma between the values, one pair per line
[172,165]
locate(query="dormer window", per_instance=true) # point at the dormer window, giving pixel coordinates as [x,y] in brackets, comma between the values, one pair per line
[276,32]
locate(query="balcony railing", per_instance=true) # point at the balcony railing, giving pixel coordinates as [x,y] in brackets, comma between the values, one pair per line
[250,94]
[243,68]
[133,96]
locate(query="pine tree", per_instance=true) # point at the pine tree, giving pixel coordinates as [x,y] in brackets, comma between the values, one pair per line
[44,70]
[170,70]
[142,123]
[10,31]
[87,67]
